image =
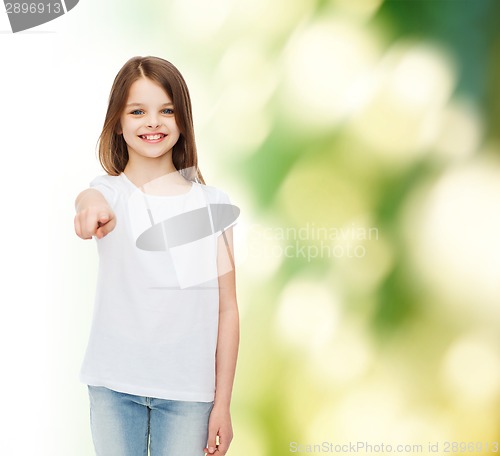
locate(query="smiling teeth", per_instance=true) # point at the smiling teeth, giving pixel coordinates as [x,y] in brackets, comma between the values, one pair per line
[152,137]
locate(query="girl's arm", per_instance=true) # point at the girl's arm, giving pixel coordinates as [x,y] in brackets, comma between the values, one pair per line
[93,216]
[227,349]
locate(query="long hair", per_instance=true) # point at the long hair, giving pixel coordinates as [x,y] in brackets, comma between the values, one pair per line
[113,152]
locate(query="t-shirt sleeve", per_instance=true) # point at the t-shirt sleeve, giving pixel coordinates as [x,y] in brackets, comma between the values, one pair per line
[103,185]
[228,213]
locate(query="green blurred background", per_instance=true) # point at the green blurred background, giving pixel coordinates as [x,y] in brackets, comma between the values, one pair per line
[380,115]
[361,140]
[363,133]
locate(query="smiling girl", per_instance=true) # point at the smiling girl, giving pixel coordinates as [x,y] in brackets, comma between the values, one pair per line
[162,352]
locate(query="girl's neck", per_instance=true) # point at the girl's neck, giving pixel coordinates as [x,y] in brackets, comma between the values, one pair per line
[140,172]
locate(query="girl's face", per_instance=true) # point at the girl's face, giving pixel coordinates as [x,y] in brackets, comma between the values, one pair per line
[147,122]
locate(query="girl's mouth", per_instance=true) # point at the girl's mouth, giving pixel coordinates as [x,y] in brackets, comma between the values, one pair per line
[153,138]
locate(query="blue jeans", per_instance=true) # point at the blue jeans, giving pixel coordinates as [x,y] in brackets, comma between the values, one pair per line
[125,425]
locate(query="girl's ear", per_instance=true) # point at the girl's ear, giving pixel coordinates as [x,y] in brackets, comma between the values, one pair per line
[118,129]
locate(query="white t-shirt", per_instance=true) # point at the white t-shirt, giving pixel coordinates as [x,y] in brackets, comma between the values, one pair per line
[154,330]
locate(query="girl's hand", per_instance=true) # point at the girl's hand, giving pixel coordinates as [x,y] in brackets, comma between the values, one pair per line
[93,217]
[94,221]
[219,425]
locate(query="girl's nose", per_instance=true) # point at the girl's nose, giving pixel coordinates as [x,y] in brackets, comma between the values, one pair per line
[153,122]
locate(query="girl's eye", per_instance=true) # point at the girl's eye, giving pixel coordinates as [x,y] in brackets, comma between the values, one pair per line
[168,111]
[137,112]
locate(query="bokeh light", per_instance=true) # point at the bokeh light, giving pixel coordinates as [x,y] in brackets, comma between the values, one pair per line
[323,62]
[455,238]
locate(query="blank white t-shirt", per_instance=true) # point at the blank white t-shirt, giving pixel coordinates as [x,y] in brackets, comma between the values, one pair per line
[155,323]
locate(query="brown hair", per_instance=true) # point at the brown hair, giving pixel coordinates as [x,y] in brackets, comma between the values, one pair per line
[113,152]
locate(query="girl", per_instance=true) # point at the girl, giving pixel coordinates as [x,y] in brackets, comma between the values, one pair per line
[162,351]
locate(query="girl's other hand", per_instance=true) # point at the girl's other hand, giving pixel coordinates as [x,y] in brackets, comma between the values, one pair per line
[219,426]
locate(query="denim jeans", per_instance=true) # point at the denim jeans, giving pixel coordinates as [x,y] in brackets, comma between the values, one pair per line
[125,425]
